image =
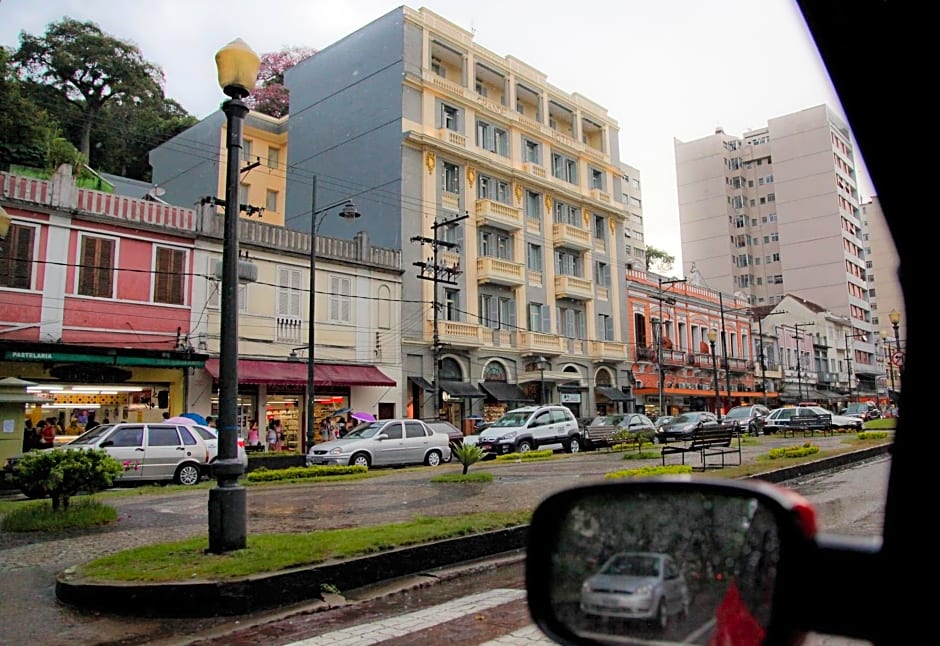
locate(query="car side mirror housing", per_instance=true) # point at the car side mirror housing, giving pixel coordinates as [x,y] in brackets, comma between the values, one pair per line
[736,545]
[381,436]
[106,444]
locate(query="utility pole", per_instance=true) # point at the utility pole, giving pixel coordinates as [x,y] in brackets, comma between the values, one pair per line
[799,379]
[433,270]
[760,345]
[659,344]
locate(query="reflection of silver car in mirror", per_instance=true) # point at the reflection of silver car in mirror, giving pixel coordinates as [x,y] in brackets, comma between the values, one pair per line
[637,585]
[656,558]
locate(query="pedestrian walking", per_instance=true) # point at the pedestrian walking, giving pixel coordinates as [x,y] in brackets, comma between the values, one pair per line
[272,437]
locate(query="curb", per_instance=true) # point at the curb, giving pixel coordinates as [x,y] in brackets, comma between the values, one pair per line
[305,584]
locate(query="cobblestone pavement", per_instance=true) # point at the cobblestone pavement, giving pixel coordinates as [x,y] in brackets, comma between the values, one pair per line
[28,564]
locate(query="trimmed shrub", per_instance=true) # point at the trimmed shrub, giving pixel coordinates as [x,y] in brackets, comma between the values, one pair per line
[63,473]
[302,473]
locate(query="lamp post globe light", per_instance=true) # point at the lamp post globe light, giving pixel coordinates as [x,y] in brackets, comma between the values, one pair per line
[712,335]
[238,67]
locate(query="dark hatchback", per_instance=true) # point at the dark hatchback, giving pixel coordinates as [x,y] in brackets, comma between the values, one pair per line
[682,425]
[747,419]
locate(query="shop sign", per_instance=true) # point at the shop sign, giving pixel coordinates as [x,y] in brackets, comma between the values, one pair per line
[570,398]
[56,357]
[90,374]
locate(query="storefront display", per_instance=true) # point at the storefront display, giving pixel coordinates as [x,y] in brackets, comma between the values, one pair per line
[286,409]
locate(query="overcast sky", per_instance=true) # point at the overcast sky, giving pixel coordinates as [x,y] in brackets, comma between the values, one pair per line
[662,68]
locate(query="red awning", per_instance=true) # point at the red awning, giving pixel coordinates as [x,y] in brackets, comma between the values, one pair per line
[253,371]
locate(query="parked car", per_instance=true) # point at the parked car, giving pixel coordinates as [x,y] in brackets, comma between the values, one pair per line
[211,437]
[747,419]
[681,426]
[780,418]
[150,452]
[527,428]
[862,410]
[645,586]
[602,429]
[845,422]
[384,442]
[661,420]
[452,432]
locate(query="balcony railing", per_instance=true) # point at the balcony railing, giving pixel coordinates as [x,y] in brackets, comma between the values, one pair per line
[457,333]
[500,272]
[534,169]
[573,287]
[568,235]
[450,200]
[607,350]
[739,365]
[451,137]
[539,342]
[498,215]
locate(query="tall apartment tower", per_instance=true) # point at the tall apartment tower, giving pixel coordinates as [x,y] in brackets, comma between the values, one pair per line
[777,211]
[437,138]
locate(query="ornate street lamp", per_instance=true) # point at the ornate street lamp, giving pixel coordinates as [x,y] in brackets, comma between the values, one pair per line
[542,364]
[349,212]
[712,335]
[238,67]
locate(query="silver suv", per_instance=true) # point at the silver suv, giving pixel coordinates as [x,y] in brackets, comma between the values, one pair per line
[527,428]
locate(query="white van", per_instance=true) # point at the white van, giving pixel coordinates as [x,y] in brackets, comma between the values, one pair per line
[527,428]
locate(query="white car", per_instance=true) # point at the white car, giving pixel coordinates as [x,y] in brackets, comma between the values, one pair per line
[384,442]
[840,421]
[527,428]
[211,437]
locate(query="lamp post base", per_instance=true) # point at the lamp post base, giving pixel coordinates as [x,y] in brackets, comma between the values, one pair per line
[228,524]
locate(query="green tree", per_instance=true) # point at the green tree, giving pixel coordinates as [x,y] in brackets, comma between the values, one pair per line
[467,454]
[89,68]
[129,132]
[25,128]
[63,473]
[658,259]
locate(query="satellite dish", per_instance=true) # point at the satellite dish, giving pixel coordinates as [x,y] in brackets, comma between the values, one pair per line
[157,191]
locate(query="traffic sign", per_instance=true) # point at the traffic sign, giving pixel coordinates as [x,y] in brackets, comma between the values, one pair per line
[897,358]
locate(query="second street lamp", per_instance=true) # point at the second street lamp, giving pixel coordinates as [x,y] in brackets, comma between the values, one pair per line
[349,212]
[712,335]
[228,525]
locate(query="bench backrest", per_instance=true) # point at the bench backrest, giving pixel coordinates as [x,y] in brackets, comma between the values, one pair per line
[712,436]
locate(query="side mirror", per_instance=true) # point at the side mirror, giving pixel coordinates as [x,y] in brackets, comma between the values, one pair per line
[381,436]
[106,444]
[661,558]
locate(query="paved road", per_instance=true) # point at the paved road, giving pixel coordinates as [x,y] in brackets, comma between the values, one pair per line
[28,565]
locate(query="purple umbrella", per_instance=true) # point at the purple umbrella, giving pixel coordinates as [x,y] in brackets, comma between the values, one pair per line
[363,417]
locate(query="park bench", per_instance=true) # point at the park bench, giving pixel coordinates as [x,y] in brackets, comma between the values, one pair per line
[709,441]
[809,425]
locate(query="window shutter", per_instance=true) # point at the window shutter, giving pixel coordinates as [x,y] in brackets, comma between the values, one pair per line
[283,293]
[512,314]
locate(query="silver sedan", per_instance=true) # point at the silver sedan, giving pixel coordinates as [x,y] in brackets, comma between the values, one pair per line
[384,442]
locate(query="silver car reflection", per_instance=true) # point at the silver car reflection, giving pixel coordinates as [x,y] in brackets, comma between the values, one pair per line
[645,586]
[384,442]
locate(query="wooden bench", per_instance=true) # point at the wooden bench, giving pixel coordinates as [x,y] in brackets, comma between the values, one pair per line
[708,441]
[809,425]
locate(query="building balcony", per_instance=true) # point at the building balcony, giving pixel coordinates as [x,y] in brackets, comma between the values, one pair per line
[539,343]
[600,196]
[827,377]
[700,360]
[498,215]
[675,358]
[607,351]
[534,169]
[451,137]
[573,287]
[500,272]
[567,235]
[459,334]
[738,365]
[450,200]
[441,82]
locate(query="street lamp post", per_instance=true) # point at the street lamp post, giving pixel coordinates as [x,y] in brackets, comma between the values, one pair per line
[895,317]
[350,213]
[848,359]
[228,528]
[542,364]
[712,335]
[888,361]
